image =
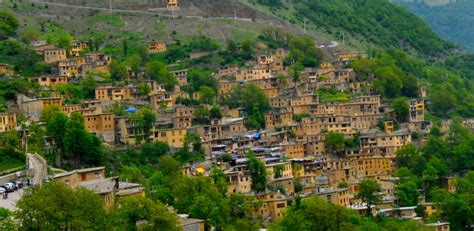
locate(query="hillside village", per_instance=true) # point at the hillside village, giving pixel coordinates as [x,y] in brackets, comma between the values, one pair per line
[279,124]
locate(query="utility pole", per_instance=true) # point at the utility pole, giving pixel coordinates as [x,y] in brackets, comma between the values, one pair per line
[110,6]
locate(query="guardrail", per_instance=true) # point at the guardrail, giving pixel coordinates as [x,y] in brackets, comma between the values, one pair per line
[5,172]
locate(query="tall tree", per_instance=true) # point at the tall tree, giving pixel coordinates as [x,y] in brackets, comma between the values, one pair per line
[258,172]
[315,213]
[8,25]
[369,193]
[56,128]
[156,216]
[334,142]
[56,206]
[157,71]
[118,71]
[402,109]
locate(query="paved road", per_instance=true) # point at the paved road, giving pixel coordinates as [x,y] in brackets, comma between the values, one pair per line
[10,202]
[38,168]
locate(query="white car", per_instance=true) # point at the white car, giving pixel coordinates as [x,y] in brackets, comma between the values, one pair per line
[9,187]
[2,190]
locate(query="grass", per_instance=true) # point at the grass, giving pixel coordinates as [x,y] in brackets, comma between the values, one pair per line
[240,34]
[7,164]
[113,20]
[332,95]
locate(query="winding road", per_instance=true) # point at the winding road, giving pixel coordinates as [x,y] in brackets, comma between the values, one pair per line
[38,168]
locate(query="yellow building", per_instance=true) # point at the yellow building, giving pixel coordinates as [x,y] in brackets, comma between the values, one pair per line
[278,119]
[7,121]
[94,179]
[226,71]
[34,107]
[293,150]
[102,125]
[191,224]
[346,56]
[439,226]
[171,3]
[156,47]
[77,47]
[417,110]
[71,67]
[271,206]
[4,68]
[108,92]
[239,181]
[278,170]
[41,46]
[183,116]
[51,81]
[335,196]
[224,87]
[54,55]
[174,137]
[223,128]
[71,108]
[253,74]
[72,178]
[161,100]
[181,76]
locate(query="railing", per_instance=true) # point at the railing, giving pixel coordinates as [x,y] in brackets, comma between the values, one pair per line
[6,172]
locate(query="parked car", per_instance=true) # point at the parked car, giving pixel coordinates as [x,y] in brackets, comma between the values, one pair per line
[9,187]
[2,190]
[19,184]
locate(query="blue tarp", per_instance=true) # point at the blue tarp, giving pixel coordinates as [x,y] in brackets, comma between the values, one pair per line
[131,110]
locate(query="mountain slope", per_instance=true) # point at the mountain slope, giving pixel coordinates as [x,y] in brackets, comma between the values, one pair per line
[453,21]
[376,22]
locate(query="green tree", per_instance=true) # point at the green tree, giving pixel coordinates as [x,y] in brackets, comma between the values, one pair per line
[144,121]
[156,70]
[81,147]
[369,193]
[401,108]
[258,173]
[8,25]
[88,85]
[215,112]
[410,157]
[6,220]
[252,99]
[453,209]
[118,71]
[143,89]
[200,77]
[48,112]
[442,102]
[201,116]
[208,95]
[407,192]
[150,152]
[334,142]
[314,213]
[130,210]
[56,206]
[56,128]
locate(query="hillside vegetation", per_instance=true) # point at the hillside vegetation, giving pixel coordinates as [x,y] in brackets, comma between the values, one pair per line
[376,22]
[452,21]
